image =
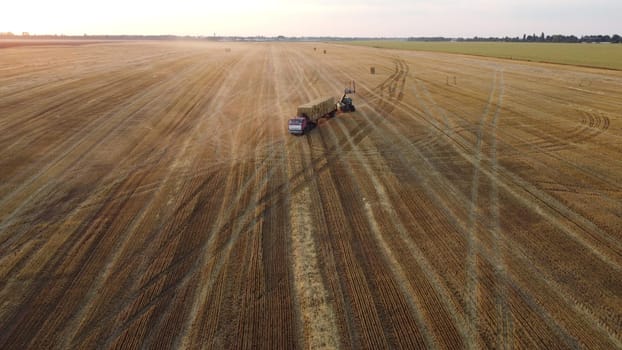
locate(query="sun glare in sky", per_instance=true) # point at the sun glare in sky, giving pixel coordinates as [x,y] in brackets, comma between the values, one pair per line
[312,18]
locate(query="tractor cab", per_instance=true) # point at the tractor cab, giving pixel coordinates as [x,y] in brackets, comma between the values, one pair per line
[345,104]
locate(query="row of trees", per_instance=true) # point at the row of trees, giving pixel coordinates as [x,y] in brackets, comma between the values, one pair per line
[9,35]
[557,38]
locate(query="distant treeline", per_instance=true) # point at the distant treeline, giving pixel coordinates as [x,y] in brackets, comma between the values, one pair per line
[557,38]
[26,36]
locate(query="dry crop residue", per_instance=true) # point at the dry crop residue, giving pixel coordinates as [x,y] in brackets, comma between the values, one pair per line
[155,199]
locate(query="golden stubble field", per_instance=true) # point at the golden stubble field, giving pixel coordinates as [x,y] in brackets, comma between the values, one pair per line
[150,196]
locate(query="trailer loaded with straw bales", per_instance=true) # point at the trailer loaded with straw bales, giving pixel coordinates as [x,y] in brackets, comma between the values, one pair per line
[309,114]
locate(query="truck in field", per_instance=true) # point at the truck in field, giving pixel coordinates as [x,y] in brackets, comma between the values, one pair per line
[310,113]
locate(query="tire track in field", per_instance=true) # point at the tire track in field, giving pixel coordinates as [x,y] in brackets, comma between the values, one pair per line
[548,143]
[556,208]
[313,172]
[430,275]
[138,105]
[566,295]
[564,322]
[316,312]
[396,81]
[592,124]
[474,218]
[456,322]
[523,281]
[447,185]
[426,339]
[430,107]
[439,201]
[398,272]
[506,324]
[108,201]
[122,246]
[393,86]
[515,150]
[470,338]
[106,92]
[73,100]
[142,324]
[19,332]
[591,173]
[61,73]
[336,313]
[356,307]
[257,287]
[71,145]
[364,320]
[192,195]
[172,187]
[555,139]
[220,230]
[505,328]
[563,297]
[283,321]
[331,153]
[539,150]
[74,91]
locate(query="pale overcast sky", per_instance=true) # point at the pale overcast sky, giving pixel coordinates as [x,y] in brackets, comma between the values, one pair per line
[372,18]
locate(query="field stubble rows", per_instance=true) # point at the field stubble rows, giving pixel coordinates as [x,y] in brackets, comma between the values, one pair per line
[153,198]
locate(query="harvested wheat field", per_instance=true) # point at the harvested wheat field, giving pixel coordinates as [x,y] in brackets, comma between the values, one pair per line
[150,196]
